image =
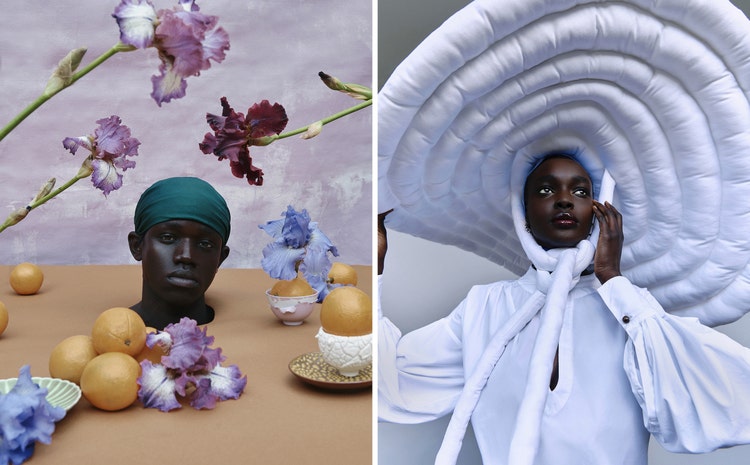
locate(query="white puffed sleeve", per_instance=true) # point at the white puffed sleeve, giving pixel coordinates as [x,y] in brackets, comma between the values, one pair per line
[692,382]
[420,374]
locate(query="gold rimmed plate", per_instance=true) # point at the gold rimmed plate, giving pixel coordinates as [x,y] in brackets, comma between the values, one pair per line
[60,392]
[312,369]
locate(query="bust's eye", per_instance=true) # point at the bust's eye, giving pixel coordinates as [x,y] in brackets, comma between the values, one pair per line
[206,244]
[166,237]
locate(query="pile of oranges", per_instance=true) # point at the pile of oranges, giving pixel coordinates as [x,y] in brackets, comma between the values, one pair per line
[106,363]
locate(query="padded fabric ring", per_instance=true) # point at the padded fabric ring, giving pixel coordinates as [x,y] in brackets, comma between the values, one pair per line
[653,91]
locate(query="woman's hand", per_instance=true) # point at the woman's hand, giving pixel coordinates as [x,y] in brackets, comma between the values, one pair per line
[609,245]
[382,240]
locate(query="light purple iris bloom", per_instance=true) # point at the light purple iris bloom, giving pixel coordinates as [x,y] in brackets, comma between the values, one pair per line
[298,244]
[157,387]
[293,230]
[222,383]
[137,21]
[189,347]
[25,418]
[189,362]
[110,146]
[186,40]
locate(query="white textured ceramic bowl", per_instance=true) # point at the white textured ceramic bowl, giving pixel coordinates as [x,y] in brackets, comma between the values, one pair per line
[348,354]
[292,311]
[60,392]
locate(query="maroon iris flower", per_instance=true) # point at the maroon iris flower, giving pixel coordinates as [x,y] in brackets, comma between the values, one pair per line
[234,133]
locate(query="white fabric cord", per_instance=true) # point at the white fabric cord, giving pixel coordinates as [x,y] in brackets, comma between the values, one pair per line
[558,272]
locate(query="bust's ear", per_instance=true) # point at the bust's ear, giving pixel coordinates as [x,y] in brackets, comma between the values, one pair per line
[224,254]
[135,242]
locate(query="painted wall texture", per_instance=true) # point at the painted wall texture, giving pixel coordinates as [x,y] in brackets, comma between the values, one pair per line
[277,50]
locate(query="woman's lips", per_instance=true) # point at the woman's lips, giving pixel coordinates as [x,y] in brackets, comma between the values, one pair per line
[565,221]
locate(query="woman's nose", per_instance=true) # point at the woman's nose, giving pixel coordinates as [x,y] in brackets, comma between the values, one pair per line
[564,202]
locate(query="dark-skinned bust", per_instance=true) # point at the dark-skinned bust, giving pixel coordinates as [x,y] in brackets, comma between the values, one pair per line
[181,229]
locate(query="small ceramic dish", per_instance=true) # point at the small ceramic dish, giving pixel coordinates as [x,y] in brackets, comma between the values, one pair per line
[312,369]
[60,392]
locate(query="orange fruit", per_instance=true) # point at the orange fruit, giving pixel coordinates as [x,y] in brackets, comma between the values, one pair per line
[292,288]
[341,273]
[3,317]
[26,278]
[68,359]
[119,329]
[110,381]
[346,311]
[153,354]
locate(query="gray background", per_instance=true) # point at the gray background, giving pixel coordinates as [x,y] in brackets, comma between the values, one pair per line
[434,278]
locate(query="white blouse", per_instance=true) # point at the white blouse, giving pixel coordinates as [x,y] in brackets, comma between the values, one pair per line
[686,384]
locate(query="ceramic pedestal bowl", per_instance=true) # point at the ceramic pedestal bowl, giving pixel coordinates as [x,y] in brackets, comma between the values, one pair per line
[348,354]
[292,311]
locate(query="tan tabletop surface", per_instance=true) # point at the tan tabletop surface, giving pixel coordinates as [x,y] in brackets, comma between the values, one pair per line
[278,420]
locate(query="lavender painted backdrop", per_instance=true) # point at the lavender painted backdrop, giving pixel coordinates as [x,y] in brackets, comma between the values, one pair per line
[277,49]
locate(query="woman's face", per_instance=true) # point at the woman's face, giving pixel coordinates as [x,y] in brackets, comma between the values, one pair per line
[559,203]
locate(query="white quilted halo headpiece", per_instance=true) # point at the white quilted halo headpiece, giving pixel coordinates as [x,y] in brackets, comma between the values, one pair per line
[654,91]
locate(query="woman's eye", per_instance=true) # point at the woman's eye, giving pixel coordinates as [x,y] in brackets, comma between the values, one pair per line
[206,244]
[166,237]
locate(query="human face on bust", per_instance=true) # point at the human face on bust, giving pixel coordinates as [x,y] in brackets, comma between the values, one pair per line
[558,195]
[179,259]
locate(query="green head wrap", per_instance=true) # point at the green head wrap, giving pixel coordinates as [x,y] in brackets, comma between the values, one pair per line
[182,198]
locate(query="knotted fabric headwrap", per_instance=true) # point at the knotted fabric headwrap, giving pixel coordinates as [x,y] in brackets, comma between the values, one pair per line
[182,198]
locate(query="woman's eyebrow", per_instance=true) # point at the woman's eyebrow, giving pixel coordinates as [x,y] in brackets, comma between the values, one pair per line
[582,179]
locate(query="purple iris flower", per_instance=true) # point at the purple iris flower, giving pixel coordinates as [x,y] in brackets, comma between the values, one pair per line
[298,245]
[157,387]
[234,133]
[25,418]
[187,40]
[189,362]
[222,383]
[110,146]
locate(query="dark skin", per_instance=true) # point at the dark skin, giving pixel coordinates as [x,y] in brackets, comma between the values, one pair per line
[560,211]
[559,214]
[179,260]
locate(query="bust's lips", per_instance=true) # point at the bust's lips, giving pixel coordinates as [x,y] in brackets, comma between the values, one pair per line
[183,279]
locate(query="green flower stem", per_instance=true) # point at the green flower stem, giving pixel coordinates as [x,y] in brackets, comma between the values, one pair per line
[57,191]
[44,97]
[269,139]
[82,174]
